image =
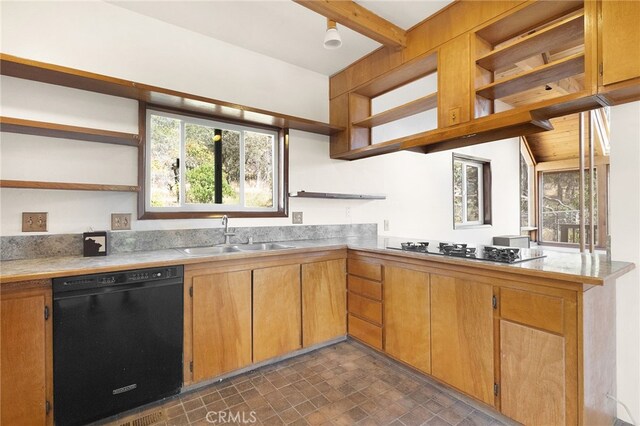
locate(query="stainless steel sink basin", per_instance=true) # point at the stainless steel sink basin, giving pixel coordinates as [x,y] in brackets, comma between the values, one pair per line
[203,251]
[263,247]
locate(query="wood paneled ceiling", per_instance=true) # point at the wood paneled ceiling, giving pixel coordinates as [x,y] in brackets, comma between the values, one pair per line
[562,143]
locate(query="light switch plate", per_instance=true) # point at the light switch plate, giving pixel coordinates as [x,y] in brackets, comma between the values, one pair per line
[120,221]
[34,221]
[296,218]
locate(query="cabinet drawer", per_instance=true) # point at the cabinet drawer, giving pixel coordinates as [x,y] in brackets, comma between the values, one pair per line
[533,309]
[365,308]
[365,331]
[372,271]
[365,287]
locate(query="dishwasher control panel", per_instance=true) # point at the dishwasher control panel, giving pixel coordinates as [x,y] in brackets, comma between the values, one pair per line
[110,279]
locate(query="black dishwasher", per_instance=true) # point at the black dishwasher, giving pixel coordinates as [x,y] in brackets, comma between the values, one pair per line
[117,342]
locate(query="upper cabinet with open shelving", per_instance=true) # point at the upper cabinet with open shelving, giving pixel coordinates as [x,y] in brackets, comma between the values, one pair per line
[503,68]
[355,109]
[534,54]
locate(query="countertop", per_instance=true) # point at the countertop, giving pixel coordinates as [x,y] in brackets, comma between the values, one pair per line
[574,267]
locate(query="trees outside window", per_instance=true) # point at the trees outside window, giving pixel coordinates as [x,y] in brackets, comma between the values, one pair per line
[471,191]
[199,165]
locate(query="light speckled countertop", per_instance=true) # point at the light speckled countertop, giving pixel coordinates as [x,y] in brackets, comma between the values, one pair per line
[573,267]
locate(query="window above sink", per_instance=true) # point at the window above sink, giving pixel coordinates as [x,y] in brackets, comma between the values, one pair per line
[197,167]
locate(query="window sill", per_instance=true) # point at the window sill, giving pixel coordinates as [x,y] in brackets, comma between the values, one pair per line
[210,215]
[485,225]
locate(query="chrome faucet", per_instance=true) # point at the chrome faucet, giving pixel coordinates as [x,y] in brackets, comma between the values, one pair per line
[227,234]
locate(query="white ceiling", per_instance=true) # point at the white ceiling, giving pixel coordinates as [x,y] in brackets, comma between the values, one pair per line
[281,29]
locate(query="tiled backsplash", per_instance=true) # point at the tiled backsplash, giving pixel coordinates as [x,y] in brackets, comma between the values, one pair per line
[35,246]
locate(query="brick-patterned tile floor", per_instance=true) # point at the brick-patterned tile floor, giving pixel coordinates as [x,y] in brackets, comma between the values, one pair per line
[343,384]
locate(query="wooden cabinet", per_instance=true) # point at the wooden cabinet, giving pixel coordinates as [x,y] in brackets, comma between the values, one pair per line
[504,69]
[26,355]
[532,375]
[462,341]
[276,311]
[243,311]
[537,357]
[619,38]
[365,319]
[407,314]
[324,301]
[221,323]
[454,82]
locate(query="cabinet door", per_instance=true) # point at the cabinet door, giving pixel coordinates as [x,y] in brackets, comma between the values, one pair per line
[619,38]
[462,335]
[532,374]
[221,323]
[407,316]
[276,311]
[25,377]
[324,305]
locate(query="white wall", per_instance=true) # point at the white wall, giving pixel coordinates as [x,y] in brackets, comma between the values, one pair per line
[624,221]
[102,38]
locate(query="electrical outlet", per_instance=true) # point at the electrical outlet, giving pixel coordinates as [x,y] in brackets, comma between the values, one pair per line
[454,116]
[347,212]
[120,221]
[386,224]
[34,221]
[296,218]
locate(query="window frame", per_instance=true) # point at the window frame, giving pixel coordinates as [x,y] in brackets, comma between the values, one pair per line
[280,177]
[484,191]
[602,171]
[526,155]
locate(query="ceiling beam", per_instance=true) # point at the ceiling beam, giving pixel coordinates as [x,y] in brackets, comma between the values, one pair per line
[359,19]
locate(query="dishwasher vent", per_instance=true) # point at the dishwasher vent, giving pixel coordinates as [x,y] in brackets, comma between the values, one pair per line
[146,420]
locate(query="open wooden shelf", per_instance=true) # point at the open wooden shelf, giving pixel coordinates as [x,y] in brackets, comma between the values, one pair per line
[539,76]
[399,76]
[503,125]
[40,128]
[529,17]
[29,184]
[567,33]
[414,107]
[333,195]
[14,66]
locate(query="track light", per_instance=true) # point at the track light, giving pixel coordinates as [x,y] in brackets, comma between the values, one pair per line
[332,39]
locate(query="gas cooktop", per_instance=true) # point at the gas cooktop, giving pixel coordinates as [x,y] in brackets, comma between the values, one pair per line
[498,254]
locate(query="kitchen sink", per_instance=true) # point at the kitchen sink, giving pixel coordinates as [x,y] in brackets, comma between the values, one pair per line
[213,250]
[263,247]
[203,251]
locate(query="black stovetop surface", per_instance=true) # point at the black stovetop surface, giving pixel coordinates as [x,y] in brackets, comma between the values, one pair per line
[497,254]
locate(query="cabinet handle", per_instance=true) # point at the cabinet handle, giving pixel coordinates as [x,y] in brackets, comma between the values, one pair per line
[494,302]
[47,407]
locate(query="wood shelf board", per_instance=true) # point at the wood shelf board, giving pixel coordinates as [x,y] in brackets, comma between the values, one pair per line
[40,128]
[494,127]
[569,33]
[527,18]
[498,126]
[28,184]
[332,195]
[369,151]
[414,107]
[539,76]
[14,66]
[399,76]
